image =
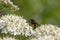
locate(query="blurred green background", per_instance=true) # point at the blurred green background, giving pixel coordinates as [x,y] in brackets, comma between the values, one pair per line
[42,11]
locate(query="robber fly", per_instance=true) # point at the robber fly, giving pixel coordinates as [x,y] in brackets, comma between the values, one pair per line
[34,23]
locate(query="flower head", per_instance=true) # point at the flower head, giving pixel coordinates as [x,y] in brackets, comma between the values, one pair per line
[15,25]
[47,32]
[15,7]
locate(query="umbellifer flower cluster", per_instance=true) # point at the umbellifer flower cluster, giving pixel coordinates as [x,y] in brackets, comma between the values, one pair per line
[47,32]
[11,3]
[15,25]
[7,38]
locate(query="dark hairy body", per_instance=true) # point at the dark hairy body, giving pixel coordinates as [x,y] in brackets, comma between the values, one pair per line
[34,23]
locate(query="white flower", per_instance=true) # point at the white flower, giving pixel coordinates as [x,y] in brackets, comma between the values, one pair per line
[11,3]
[33,39]
[1,24]
[15,25]
[47,32]
[7,38]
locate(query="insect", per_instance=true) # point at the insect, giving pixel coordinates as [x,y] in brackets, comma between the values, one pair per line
[34,23]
